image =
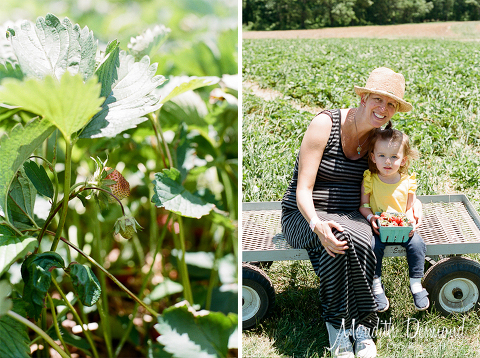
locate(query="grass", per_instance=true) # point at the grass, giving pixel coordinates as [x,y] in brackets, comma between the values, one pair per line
[445,129]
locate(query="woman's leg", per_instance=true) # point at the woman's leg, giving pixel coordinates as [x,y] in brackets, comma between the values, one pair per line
[346,279]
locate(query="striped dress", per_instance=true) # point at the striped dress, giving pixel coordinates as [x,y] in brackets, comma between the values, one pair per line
[346,280]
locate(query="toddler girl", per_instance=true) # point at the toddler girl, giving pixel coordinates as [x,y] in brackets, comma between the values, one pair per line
[387,186]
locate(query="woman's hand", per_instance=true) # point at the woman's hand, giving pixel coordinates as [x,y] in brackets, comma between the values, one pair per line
[417,215]
[324,231]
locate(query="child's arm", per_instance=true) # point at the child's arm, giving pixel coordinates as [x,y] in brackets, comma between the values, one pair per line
[366,211]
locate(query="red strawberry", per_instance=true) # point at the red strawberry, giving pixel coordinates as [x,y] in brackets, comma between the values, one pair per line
[121,189]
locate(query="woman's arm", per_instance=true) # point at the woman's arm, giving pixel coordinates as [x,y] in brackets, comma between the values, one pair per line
[311,152]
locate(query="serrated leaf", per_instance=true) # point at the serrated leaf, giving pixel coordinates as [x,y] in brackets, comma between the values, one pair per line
[14,341]
[186,333]
[16,148]
[148,43]
[21,199]
[69,104]
[53,47]
[107,69]
[130,98]
[181,84]
[13,248]
[37,279]
[85,283]
[171,195]
[10,69]
[39,178]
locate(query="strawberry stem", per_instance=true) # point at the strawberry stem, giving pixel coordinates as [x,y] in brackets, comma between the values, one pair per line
[68,177]
[108,192]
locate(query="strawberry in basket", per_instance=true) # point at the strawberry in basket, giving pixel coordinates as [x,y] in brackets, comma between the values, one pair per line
[393,219]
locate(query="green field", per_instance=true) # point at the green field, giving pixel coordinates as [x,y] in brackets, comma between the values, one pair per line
[442,83]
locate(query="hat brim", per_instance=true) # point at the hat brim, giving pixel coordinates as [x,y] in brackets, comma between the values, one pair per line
[403,106]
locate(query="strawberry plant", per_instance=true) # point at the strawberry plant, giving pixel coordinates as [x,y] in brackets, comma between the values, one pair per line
[63,101]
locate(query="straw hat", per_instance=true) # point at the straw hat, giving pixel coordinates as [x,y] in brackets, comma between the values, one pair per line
[386,82]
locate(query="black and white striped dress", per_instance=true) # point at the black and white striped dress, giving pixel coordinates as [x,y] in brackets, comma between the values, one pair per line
[346,280]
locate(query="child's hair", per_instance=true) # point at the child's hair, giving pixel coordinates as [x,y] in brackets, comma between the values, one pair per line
[394,135]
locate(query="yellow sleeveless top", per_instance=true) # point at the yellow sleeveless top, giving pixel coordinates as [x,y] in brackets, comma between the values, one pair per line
[389,197]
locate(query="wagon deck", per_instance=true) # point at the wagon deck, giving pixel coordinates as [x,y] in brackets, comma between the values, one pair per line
[450,226]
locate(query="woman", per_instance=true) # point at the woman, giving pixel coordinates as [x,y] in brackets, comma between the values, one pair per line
[320,210]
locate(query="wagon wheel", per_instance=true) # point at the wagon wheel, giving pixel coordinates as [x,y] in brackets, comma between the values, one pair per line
[258,296]
[453,284]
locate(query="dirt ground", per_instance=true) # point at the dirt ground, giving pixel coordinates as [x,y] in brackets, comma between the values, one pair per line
[468,30]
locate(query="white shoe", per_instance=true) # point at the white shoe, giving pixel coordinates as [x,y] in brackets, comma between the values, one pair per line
[340,345]
[364,345]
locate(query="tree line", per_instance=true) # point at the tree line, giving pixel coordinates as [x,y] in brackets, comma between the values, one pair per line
[312,14]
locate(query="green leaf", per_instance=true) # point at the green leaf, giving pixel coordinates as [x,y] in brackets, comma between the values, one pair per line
[21,200]
[10,69]
[39,178]
[16,148]
[70,339]
[5,302]
[171,195]
[13,248]
[148,43]
[69,105]
[107,70]
[164,289]
[51,48]
[186,333]
[130,97]
[14,341]
[36,275]
[179,85]
[85,283]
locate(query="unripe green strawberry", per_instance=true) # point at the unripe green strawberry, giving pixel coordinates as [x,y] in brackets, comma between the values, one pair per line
[126,226]
[121,189]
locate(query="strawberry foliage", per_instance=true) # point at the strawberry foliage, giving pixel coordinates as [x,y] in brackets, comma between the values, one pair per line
[66,102]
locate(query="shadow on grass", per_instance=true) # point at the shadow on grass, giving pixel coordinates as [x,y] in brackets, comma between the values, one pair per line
[295,326]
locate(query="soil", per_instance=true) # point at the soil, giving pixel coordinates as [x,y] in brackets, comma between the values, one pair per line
[467,30]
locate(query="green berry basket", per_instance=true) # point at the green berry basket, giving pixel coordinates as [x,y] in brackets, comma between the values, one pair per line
[394,234]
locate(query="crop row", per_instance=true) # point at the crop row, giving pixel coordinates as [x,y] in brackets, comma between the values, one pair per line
[442,83]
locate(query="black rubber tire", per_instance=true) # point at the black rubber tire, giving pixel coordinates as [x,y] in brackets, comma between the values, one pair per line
[453,285]
[258,296]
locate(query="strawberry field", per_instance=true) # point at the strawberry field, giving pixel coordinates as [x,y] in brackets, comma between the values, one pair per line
[118,181]
[442,80]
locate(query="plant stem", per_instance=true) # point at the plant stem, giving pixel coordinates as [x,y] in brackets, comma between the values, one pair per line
[106,325]
[66,190]
[182,263]
[55,323]
[39,331]
[109,275]
[214,274]
[77,317]
[145,280]
[153,120]
[103,310]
